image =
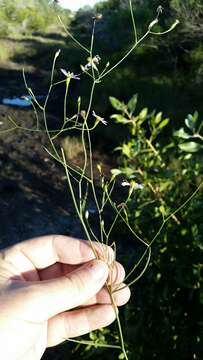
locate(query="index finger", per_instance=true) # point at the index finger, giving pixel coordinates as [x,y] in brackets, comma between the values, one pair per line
[44,251]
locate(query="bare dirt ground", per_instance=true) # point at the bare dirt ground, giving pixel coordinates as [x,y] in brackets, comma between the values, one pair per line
[33,195]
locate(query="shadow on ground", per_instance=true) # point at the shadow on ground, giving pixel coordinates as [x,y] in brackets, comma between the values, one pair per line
[32,187]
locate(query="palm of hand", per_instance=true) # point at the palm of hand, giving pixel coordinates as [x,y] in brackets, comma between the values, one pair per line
[40,280]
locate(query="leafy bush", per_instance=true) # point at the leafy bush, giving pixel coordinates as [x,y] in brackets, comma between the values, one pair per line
[164,321]
[20,17]
[172,67]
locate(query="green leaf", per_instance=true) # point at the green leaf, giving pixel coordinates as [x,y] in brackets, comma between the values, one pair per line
[165,186]
[158,118]
[163,123]
[190,146]
[195,116]
[115,172]
[190,121]
[126,150]
[181,133]
[162,210]
[132,103]
[121,356]
[143,114]
[120,118]
[117,104]
[129,172]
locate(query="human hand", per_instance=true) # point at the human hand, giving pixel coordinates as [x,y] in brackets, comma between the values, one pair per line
[41,280]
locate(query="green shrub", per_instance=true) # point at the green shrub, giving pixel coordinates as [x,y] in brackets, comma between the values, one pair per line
[164,320]
[20,17]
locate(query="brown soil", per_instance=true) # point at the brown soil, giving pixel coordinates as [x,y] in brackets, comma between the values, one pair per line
[33,192]
[32,189]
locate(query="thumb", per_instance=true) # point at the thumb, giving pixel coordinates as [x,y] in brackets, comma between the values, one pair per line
[50,297]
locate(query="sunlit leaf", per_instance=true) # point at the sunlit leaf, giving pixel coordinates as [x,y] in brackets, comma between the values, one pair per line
[115,172]
[118,105]
[190,122]
[132,103]
[126,150]
[120,118]
[190,146]
[162,210]
[143,114]
[158,118]
[164,123]
[181,133]
[121,356]
[129,172]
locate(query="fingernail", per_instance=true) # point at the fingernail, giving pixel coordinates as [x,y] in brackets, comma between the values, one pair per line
[99,269]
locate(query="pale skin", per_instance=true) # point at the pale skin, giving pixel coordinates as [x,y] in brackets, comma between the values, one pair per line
[53,288]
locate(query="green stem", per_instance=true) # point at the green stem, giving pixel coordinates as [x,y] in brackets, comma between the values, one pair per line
[118,323]
[72,37]
[80,216]
[126,55]
[95,344]
[133,21]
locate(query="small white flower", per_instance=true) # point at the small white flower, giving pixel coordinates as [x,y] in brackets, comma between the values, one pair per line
[96,59]
[99,118]
[133,185]
[70,75]
[86,67]
[125,183]
[92,62]
[138,186]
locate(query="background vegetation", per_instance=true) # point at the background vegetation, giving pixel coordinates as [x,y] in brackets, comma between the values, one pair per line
[166,72]
[164,319]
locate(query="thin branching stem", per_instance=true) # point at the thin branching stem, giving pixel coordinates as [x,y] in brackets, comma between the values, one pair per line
[77,208]
[73,37]
[164,222]
[133,21]
[94,343]
[125,56]
[76,176]
[118,322]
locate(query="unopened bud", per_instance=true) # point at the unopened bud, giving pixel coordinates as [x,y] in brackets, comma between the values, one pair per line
[57,54]
[154,22]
